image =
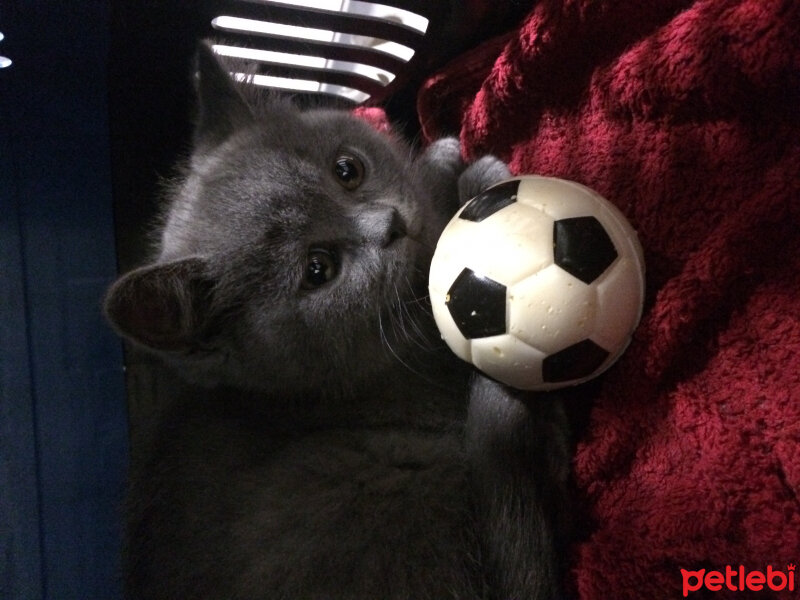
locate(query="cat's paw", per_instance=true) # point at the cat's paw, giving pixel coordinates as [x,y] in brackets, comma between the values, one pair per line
[445,154]
[484,172]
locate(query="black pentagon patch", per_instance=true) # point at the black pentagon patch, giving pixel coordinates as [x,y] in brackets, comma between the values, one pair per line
[582,247]
[490,201]
[477,305]
[574,362]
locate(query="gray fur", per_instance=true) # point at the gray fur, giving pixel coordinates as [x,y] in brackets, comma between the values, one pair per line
[327,444]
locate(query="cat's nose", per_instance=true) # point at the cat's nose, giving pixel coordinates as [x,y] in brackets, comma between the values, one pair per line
[381,225]
[395,229]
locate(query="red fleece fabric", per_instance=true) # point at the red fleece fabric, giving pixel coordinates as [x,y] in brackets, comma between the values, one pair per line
[686,115]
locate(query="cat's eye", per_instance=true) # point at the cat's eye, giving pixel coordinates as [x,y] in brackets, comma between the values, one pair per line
[349,171]
[321,267]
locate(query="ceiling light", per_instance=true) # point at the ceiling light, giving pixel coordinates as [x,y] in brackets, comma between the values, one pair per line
[302,85]
[229,23]
[302,60]
[371,9]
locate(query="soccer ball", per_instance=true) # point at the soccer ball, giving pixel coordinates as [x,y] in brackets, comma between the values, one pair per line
[538,282]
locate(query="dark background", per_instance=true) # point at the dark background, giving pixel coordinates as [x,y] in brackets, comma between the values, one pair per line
[63,432]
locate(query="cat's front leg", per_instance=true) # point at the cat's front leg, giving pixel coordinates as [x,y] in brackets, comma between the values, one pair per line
[479,175]
[444,155]
[450,180]
[519,452]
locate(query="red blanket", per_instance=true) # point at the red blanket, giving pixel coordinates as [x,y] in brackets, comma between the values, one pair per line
[686,114]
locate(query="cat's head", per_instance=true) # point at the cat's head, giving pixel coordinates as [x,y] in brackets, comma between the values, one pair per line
[294,253]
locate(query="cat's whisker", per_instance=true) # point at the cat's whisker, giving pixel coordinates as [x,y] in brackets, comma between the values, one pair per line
[406,322]
[421,340]
[392,351]
[402,317]
[387,343]
[417,300]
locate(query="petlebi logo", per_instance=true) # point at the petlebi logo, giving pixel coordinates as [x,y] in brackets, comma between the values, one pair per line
[739,579]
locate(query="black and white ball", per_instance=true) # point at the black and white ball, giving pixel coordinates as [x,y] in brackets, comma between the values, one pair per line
[538,282]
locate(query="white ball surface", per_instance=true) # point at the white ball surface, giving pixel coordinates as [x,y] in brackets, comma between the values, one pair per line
[538,282]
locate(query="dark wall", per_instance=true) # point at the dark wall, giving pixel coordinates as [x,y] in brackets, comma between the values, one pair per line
[149,90]
[63,433]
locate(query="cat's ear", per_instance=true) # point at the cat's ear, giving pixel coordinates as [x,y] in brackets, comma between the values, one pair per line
[221,109]
[164,307]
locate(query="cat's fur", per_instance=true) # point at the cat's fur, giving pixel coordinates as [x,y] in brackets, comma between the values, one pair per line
[329,445]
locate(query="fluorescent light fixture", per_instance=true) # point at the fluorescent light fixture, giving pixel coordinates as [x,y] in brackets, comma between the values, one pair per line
[5,62]
[399,50]
[356,7]
[230,23]
[335,5]
[292,31]
[383,12]
[391,13]
[298,60]
[302,85]
[302,60]
[286,83]
[344,91]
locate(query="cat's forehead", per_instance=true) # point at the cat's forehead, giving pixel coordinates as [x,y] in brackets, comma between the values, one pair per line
[293,149]
[321,132]
[273,192]
[272,197]
[274,183]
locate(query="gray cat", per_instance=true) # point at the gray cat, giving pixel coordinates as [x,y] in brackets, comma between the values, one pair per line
[328,445]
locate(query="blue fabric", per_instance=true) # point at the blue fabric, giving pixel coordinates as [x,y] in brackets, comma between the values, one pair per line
[63,429]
